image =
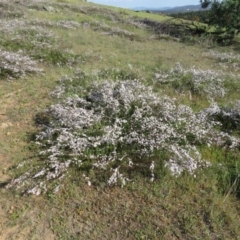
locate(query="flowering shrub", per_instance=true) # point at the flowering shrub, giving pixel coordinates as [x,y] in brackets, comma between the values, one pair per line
[8,10]
[15,65]
[207,83]
[17,26]
[68,24]
[223,57]
[117,128]
[26,35]
[229,117]
[226,59]
[40,43]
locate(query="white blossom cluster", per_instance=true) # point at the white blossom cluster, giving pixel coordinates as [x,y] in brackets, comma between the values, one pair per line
[33,36]
[8,10]
[117,126]
[202,82]
[21,30]
[224,56]
[228,116]
[15,65]
[18,26]
[68,24]
[226,59]
[222,138]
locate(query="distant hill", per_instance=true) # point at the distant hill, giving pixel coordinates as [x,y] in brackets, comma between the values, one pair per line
[187,8]
[151,9]
[190,8]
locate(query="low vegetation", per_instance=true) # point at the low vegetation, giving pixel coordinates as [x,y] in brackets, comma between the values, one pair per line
[221,19]
[121,124]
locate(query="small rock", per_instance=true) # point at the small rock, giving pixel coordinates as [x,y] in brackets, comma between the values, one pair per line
[6,125]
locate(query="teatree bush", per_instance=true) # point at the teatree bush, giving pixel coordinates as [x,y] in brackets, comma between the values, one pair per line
[12,26]
[8,10]
[67,24]
[27,35]
[224,56]
[16,65]
[229,117]
[226,59]
[35,27]
[206,83]
[39,42]
[118,127]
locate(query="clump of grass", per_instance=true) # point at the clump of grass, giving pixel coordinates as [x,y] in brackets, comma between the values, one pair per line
[225,169]
[118,127]
[135,22]
[16,65]
[108,30]
[57,57]
[96,11]
[116,74]
[39,5]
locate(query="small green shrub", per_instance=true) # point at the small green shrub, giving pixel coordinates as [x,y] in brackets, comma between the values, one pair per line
[57,57]
[116,74]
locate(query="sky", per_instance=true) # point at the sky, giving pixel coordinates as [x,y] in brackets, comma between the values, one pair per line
[146,3]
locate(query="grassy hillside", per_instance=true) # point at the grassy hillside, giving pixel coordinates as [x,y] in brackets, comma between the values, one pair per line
[113,127]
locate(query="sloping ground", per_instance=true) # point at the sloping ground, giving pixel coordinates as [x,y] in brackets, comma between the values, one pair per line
[43,42]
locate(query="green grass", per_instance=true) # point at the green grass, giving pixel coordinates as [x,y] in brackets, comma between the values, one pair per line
[204,207]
